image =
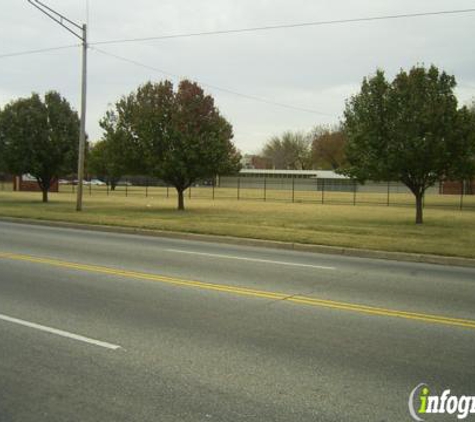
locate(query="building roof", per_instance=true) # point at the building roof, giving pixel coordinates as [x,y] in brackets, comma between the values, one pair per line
[319,174]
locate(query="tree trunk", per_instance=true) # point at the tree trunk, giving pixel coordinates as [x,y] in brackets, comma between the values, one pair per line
[44,184]
[419,208]
[181,200]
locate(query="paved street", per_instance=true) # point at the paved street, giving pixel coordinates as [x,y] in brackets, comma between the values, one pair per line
[113,327]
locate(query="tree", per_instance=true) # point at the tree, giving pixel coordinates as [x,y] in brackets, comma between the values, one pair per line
[107,161]
[178,136]
[410,130]
[328,148]
[40,137]
[466,170]
[290,151]
[2,150]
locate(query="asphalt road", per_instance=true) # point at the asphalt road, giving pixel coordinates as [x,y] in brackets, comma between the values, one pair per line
[110,327]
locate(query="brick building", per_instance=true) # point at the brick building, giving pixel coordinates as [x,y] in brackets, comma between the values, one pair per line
[27,183]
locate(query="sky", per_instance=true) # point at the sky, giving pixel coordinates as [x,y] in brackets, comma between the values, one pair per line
[297,77]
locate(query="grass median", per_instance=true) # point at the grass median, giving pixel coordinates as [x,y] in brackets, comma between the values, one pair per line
[446,232]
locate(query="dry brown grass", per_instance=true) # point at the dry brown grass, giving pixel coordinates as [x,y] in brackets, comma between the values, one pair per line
[445,232]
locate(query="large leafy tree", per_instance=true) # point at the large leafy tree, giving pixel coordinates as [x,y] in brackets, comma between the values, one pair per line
[107,160]
[466,171]
[2,154]
[289,151]
[328,147]
[178,136]
[39,137]
[410,130]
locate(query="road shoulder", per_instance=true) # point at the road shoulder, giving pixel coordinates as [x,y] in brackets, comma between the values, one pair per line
[331,250]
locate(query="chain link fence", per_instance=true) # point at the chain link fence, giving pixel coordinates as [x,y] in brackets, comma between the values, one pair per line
[289,190]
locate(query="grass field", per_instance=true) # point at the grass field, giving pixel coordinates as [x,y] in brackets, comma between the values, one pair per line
[445,231]
[278,195]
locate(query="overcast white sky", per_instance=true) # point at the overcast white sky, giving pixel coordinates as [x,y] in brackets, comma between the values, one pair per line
[314,68]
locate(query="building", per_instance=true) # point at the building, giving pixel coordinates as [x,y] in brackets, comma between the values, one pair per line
[304,180]
[310,180]
[27,183]
[251,162]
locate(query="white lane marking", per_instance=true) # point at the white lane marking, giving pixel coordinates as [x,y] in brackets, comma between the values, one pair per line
[59,332]
[265,261]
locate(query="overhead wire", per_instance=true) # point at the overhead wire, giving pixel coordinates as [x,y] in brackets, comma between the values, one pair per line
[251,29]
[41,50]
[284,26]
[93,45]
[211,86]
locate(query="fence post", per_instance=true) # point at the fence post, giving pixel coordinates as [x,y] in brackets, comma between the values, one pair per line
[323,190]
[389,192]
[238,187]
[146,187]
[461,195]
[293,189]
[265,189]
[214,182]
[126,188]
[107,188]
[355,187]
[90,189]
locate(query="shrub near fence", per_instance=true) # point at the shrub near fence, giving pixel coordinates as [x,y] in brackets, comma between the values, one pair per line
[6,184]
[291,190]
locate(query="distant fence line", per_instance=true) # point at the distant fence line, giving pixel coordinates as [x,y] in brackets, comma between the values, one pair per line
[291,190]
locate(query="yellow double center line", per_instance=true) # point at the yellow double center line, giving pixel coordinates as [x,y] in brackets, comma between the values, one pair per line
[301,300]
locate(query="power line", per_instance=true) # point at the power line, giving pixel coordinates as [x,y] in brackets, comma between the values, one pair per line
[246,30]
[284,26]
[211,86]
[234,31]
[42,50]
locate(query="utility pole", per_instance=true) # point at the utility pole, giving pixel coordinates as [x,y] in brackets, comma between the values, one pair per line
[82,129]
[79,31]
